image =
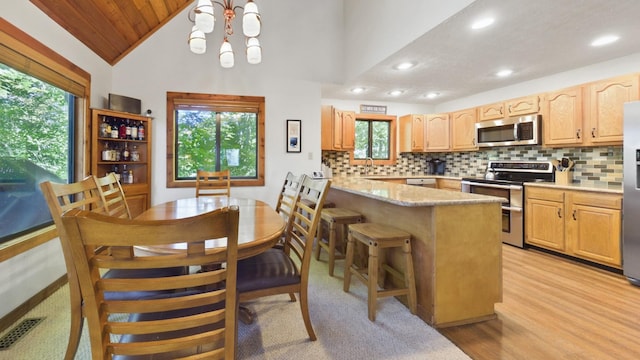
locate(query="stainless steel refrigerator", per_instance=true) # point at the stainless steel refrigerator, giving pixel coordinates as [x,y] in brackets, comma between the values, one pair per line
[631,197]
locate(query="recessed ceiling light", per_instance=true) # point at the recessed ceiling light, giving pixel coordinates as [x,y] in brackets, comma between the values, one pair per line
[605,40]
[504,73]
[482,23]
[433,95]
[404,66]
[357,90]
[396,92]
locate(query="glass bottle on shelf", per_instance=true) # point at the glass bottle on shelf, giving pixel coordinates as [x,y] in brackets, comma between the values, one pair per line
[126,155]
[117,154]
[141,131]
[122,130]
[135,154]
[127,129]
[116,171]
[105,130]
[106,152]
[134,130]
[114,128]
[130,177]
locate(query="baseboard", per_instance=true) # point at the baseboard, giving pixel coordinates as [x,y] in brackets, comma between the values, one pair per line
[15,315]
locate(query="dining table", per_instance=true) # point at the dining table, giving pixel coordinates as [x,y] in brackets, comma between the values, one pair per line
[259,229]
[260,226]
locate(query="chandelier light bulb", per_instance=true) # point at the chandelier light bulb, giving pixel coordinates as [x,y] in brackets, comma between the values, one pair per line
[197,41]
[251,20]
[226,55]
[205,19]
[254,51]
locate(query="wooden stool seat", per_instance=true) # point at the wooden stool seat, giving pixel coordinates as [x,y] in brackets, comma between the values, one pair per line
[376,237]
[334,218]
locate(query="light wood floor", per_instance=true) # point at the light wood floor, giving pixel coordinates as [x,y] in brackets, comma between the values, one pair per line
[554,308]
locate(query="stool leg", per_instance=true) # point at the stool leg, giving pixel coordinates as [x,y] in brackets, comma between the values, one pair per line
[372,271]
[319,239]
[332,246]
[409,277]
[348,262]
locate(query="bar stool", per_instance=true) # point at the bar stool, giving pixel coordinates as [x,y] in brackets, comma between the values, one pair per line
[376,237]
[334,218]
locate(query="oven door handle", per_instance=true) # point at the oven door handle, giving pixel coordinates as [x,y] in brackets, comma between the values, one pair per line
[514,209]
[495,186]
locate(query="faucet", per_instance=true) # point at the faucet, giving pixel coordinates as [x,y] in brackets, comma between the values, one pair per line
[368,168]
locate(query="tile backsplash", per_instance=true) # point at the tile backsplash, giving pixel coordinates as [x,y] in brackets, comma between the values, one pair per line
[593,165]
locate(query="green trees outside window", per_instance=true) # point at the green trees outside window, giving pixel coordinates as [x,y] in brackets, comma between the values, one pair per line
[36,137]
[372,140]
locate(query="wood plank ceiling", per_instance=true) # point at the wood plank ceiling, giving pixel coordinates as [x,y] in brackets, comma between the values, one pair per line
[112,28]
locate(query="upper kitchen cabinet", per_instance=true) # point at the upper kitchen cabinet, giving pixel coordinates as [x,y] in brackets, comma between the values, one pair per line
[463,130]
[338,129]
[604,121]
[515,107]
[437,135]
[562,115]
[411,131]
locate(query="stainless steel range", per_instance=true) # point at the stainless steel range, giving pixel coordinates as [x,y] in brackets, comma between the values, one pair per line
[505,179]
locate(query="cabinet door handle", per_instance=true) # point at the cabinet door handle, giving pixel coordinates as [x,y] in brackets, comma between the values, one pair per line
[593,132]
[578,134]
[560,213]
[574,215]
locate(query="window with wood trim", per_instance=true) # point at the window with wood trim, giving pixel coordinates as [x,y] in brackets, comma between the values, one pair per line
[42,104]
[374,139]
[215,132]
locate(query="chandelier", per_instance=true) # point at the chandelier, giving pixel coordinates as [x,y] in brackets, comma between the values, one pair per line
[203,17]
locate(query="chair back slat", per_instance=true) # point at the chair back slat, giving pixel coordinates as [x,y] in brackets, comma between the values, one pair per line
[196,318]
[213,183]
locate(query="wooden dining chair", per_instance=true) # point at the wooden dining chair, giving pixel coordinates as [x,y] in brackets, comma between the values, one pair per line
[115,202]
[84,194]
[195,320]
[213,183]
[287,195]
[286,270]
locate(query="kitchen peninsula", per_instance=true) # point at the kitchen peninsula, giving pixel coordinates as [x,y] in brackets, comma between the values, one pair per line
[457,248]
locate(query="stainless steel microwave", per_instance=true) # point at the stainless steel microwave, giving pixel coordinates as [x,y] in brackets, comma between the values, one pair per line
[523,130]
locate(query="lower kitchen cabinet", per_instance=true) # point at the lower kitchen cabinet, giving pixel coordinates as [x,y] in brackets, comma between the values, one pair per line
[582,224]
[448,184]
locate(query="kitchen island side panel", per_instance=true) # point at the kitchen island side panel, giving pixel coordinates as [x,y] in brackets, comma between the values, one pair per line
[458,269]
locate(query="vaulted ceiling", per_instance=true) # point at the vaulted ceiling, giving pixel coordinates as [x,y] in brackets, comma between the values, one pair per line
[111,28]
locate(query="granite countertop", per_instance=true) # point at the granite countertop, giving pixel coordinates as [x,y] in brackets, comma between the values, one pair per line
[612,189]
[407,195]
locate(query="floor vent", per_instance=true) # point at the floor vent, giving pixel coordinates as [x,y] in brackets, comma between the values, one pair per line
[18,332]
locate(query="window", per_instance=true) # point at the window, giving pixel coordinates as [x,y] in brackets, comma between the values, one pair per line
[41,97]
[215,132]
[374,139]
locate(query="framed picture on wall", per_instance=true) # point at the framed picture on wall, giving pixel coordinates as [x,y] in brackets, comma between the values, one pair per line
[294,144]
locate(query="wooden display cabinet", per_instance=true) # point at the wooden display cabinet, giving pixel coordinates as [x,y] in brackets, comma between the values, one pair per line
[138,193]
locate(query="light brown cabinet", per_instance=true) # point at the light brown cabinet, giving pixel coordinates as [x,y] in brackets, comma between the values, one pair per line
[604,123]
[562,114]
[437,132]
[582,224]
[138,162]
[514,107]
[411,131]
[463,130]
[448,184]
[338,129]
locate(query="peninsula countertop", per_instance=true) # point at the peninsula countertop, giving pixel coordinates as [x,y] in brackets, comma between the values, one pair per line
[407,195]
